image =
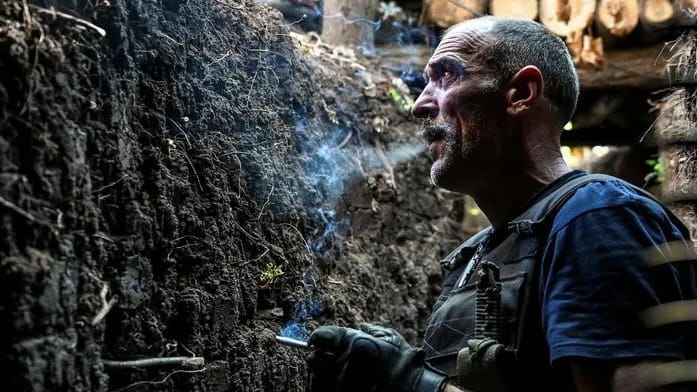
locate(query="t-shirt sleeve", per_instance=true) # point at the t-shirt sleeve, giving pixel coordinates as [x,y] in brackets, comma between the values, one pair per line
[595,282]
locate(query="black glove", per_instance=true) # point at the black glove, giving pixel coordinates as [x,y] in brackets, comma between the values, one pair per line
[373,358]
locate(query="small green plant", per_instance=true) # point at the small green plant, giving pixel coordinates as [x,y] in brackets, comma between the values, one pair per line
[270,274]
[404,101]
[658,171]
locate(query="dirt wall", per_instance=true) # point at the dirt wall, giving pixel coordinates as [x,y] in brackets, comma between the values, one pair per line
[188,167]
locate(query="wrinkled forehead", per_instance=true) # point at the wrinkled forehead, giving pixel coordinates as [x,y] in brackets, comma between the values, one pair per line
[464,39]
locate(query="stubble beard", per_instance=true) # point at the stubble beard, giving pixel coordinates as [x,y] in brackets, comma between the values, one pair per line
[455,167]
[444,170]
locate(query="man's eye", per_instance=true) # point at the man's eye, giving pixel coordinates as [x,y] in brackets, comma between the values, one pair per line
[447,77]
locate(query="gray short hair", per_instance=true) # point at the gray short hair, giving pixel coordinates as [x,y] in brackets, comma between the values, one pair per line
[516,43]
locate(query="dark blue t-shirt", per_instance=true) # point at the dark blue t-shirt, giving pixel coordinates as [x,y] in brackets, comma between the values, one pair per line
[595,281]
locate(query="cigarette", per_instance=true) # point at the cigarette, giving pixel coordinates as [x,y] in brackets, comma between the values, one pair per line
[293,342]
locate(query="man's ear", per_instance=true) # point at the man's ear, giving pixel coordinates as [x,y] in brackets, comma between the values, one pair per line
[524,89]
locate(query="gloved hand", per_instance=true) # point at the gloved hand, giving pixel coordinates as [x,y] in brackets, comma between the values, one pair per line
[481,365]
[371,358]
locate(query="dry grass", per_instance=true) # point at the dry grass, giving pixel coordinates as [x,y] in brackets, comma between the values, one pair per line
[682,65]
[677,116]
[680,162]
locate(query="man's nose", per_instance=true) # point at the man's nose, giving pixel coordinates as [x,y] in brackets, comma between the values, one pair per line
[425,106]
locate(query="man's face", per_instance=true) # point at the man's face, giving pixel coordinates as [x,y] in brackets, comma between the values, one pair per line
[464,115]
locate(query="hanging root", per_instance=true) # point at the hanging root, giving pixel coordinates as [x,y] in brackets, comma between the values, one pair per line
[106,305]
[187,362]
[682,64]
[52,11]
[677,116]
[164,380]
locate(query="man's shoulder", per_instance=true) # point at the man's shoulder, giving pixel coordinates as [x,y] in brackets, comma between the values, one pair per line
[610,194]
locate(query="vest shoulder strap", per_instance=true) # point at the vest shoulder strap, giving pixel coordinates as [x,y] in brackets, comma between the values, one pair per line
[537,219]
[543,211]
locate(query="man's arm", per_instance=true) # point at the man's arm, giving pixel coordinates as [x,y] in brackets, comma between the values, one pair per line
[452,388]
[592,376]
[596,376]
[596,284]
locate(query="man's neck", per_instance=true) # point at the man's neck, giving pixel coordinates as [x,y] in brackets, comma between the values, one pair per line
[505,196]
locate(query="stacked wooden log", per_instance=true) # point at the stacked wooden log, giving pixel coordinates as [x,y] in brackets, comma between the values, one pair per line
[587,25]
[348,22]
[676,132]
[446,13]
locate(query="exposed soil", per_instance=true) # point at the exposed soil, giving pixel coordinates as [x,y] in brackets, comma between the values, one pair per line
[180,163]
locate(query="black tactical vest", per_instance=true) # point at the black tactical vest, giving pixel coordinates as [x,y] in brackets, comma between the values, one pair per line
[516,250]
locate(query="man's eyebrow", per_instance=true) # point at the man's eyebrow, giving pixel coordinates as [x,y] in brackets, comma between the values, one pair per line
[444,61]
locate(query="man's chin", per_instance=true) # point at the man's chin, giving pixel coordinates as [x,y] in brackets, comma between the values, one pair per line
[442,177]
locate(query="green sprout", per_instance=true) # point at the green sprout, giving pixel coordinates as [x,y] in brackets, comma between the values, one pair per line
[658,171]
[270,274]
[404,101]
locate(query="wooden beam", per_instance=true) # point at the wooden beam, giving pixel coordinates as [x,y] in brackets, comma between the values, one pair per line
[617,18]
[566,16]
[643,68]
[656,14]
[446,13]
[526,9]
[345,23]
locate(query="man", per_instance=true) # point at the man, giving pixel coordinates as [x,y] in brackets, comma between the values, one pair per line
[552,297]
